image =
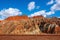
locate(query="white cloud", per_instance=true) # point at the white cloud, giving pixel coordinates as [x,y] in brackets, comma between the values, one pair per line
[37,13]
[57,1]
[58,17]
[50,2]
[9,12]
[56,6]
[42,12]
[53,8]
[50,13]
[31,6]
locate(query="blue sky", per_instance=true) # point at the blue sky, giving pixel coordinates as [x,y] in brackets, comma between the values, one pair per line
[29,7]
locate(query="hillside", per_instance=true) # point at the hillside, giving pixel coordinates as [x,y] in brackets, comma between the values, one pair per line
[33,25]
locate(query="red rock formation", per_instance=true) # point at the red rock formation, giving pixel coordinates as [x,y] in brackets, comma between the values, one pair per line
[38,16]
[17,18]
[19,25]
[0,20]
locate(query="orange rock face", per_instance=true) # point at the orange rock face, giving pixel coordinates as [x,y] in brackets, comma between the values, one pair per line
[0,21]
[17,18]
[38,17]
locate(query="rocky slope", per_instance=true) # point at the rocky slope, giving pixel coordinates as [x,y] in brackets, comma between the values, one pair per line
[33,25]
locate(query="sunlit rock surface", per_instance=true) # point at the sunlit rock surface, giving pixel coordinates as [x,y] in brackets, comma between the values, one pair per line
[30,25]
